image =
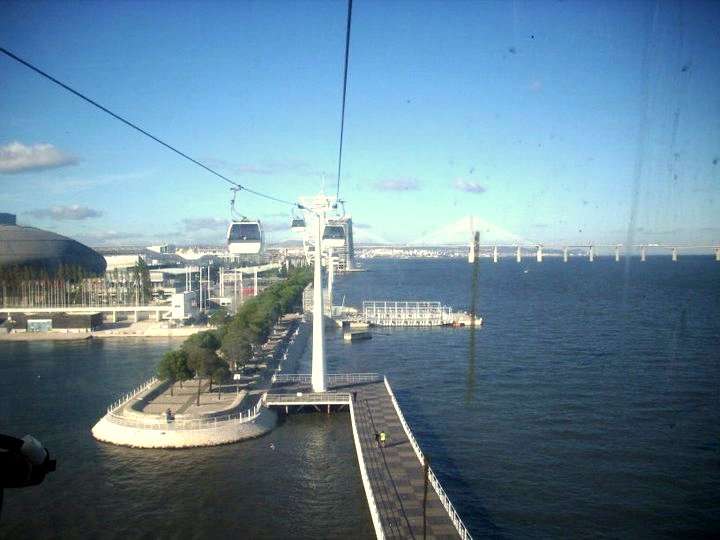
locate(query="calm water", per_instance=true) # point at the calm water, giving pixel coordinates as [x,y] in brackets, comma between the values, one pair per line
[588,405]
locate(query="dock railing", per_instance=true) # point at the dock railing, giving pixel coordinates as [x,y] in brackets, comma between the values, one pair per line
[241,417]
[332,378]
[333,398]
[127,397]
[372,504]
[449,508]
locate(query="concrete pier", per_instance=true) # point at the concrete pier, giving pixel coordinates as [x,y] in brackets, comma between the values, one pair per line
[539,254]
[518,254]
[395,475]
[495,254]
[565,254]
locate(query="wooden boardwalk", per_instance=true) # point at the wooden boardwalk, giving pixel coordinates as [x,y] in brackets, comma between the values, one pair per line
[394,473]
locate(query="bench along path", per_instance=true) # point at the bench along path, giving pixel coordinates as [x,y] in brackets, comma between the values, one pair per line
[396,475]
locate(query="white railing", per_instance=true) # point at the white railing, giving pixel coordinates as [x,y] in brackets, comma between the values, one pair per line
[374,513]
[292,377]
[332,378]
[127,397]
[331,398]
[191,423]
[449,508]
[352,378]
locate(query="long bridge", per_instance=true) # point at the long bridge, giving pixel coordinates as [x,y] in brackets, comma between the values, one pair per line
[405,498]
[539,251]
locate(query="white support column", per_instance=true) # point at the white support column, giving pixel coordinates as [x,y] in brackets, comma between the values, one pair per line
[331,278]
[591,254]
[242,288]
[617,253]
[565,254]
[235,296]
[318,331]
[642,253]
[717,254]
[674,254]
[200,288]
[255,288]
[222,281]
[518,254]
[539,254]
[495,254]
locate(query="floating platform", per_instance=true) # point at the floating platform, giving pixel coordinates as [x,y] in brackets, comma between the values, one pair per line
[356,335]
[415,313]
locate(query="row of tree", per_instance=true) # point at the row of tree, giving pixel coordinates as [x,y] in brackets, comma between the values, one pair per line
[211,354]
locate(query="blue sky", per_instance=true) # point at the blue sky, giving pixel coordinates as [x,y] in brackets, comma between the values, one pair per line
[545,119]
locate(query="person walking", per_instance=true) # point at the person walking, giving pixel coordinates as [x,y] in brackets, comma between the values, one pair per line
[382,439]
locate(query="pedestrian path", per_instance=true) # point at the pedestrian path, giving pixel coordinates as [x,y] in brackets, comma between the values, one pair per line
[396,475]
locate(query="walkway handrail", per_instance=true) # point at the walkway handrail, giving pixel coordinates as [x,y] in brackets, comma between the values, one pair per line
[320,397]
[449,508]
[242,417]
[332,378]
[350,378]
[374,513]
[127,397]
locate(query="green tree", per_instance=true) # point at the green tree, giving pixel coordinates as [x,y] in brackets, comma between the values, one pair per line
[174,367]
[220,317]
[204,362]
[205,340]
[236,347]
[141,279]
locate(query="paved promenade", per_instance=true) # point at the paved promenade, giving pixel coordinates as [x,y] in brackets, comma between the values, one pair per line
[395,472]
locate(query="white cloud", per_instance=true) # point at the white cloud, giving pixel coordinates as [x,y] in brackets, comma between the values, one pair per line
[206,223]
[18,158]
[112,236]
[73,212]
[397,184]
[467,186]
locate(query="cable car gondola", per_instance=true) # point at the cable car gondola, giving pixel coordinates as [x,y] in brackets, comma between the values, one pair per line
[298,225]
[333,236]
[244,236]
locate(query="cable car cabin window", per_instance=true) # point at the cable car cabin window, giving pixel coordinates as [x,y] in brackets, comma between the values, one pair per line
[333,232]
[244,232]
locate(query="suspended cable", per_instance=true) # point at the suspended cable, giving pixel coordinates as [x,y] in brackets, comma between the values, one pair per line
[141,130]
[342,116]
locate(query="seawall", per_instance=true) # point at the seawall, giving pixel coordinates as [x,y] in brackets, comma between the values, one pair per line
[109,430]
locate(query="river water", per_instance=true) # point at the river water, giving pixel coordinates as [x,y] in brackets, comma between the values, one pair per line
[588,405]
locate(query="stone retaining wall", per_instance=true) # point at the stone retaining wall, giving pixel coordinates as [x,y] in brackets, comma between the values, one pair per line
[223,433]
